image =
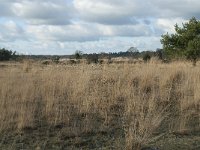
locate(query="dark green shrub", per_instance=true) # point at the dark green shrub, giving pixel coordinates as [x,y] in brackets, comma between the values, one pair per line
[159,54]
[56,59]
[101,61]
[6,54]
[146,57]
[46,62]
[92,58]
[78,54]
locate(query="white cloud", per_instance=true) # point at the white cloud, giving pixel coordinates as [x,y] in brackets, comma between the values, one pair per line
[86,31]
[167,25]
[47,26]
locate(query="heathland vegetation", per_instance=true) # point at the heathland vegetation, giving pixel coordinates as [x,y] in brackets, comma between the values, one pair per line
[146,100]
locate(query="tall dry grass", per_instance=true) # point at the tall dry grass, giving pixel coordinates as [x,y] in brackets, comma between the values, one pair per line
[143,100]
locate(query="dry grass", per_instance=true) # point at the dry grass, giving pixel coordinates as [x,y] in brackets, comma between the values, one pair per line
[142,100]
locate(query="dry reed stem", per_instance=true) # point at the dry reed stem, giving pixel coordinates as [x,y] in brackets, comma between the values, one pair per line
[140,98]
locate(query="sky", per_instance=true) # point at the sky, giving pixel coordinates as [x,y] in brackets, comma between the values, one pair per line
[60,27]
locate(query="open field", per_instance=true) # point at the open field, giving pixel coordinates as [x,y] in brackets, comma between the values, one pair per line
[108,106]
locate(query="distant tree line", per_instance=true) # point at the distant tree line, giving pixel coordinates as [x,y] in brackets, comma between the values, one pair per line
[135,54]
[6,55]
[91,58]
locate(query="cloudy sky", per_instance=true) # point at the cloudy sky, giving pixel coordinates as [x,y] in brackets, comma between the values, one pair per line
[63,26]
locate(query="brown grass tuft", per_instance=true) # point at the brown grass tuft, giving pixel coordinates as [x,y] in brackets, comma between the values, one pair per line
[142,100]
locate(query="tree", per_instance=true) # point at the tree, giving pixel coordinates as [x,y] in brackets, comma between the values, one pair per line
[193,50]
[6,54]
[146,57]
[159,53]
[133,50]
[78,54]
[184,42]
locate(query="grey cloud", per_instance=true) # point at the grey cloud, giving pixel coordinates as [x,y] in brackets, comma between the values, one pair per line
[175,8]
[105,12]
[132,31]
[114,20]
[10,31]
[147,22]
[108,12]
[121,12]
[45,12]
[5,10]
